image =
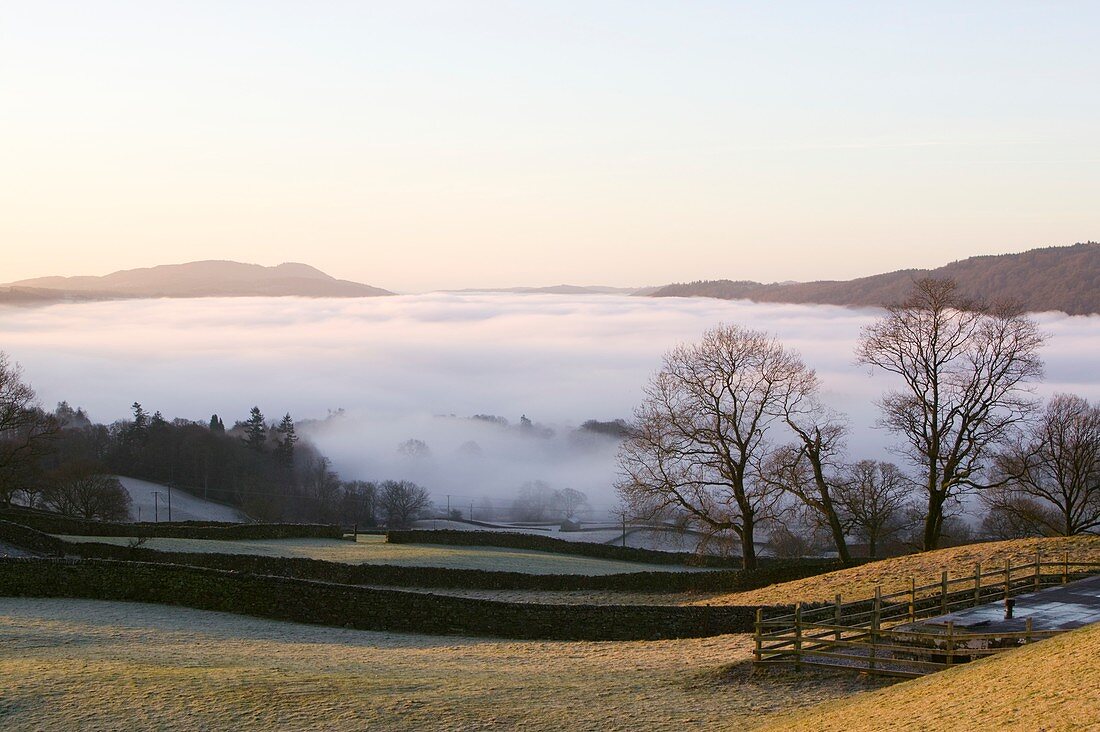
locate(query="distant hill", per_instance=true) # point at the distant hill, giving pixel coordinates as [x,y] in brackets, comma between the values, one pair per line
[212,278]
[1052,278]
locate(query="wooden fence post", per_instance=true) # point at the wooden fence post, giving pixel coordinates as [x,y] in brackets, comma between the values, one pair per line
[912,598]
[1027,630]
[950,643]
[1065,567]
[1008,576]
[875,619]
[977,584]
[1038,566]
[798,636]
[837,616]
[943,592]
[759,631]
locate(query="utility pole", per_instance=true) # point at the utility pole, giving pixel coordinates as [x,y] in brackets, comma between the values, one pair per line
[169,504]
[156,507]
[448,505]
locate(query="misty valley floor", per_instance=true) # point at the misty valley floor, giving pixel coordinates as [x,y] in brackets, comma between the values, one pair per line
[77,664]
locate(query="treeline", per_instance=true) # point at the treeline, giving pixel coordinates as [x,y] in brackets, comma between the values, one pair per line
[264,469]
[64,462]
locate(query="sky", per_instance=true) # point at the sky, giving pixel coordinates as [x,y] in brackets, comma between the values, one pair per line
[422,145]
[401,366]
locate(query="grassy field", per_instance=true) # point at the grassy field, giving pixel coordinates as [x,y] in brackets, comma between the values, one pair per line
[1051,685]
[373,549]
[893,574]
[858,582]
[81,664]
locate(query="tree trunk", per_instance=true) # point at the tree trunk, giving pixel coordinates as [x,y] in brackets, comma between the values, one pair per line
[933,522]
[748,546]
[813,452]
[748,552]
[838,539]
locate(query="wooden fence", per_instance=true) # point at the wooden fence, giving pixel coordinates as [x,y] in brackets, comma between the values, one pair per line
[872,635]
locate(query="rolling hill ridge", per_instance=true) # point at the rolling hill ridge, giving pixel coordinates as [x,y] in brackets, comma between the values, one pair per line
[1051,278]
[210,278]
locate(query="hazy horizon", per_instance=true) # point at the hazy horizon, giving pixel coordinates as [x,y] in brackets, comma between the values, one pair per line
[576,281]
[429,145]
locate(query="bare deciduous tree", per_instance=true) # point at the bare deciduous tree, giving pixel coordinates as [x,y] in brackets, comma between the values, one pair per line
[1051,474]
[966,373]
[359,503]
[809,469]
[790,542]
[414,448]
[702,433]
[535,501]
[85,490]
[402,502]
[1013,516]
[319,490]
[25,430]
[872,499]
[570,502]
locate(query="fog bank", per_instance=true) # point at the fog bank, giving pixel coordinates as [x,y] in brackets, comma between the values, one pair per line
[397,366]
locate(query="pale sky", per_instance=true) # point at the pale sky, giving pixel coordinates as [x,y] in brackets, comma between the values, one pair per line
[419,145]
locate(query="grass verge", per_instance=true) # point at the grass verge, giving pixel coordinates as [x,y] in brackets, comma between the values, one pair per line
[1050,685]
[893,574]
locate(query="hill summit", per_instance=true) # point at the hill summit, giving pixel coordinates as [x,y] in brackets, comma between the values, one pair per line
[209,278]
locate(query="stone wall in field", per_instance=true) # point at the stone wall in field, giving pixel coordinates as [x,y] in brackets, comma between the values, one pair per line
[57,524]
[443,577]
[520,540]
[364,608]
[29,539]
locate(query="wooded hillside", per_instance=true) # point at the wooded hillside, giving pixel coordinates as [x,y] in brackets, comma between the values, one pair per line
[1051,278]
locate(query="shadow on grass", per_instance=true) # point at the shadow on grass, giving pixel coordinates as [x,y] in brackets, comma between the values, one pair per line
[743,674]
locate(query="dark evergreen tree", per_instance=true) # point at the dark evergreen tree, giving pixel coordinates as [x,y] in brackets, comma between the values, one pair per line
[284,443]
[216,424]
[64,413]
[140,425]
[255,430]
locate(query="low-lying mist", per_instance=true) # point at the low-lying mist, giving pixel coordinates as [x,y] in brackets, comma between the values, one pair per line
[400,367]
